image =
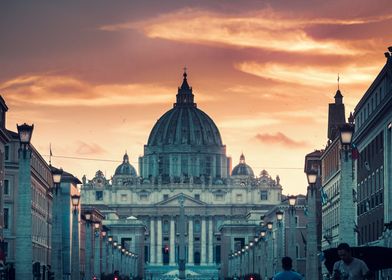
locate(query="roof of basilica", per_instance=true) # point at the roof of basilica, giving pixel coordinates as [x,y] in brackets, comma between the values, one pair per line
[242,169]
[185,123]
[125,168]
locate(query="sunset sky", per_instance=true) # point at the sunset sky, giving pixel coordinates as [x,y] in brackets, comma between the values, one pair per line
[94,76]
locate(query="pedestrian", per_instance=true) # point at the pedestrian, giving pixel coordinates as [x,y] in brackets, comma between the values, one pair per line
[288,273]
[348,267]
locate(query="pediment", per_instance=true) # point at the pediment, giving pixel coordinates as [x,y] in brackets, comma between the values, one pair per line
[174,201]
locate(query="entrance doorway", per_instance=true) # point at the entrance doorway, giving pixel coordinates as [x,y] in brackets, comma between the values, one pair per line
[196,258]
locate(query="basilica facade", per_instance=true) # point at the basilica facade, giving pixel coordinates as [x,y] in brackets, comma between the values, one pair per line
[184,157]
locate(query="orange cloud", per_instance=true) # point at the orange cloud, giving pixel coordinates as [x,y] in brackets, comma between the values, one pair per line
[84,148]
[280,139]
[69,91]
[309,74]
[266,29]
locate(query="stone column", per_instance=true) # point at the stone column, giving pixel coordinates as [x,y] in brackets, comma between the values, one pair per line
[203,242]
[57,235]
[172,251]
[311,235]
[88,250]
[347,210]
[159,240]
[190,241]
[23,242]
[291,249]
[152,241]
[97,253]
[104,255]
[210,242]
[75,259]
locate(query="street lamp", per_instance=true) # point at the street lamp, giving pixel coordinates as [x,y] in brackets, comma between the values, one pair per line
[97,249]
[270,247]
[346,135]
[56,176]
[347,206]
[279,237]
[312,264]
[279,215]
[23,258]
[75,202]
[312,176]
[96,226]
[292,200]
[57,232]
[25,132]
[75,260]
[89,253]
[293,244]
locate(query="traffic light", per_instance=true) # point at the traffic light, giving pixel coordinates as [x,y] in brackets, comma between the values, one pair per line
[95,278]
[50,275]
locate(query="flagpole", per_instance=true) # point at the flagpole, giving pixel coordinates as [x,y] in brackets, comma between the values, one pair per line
[50,153]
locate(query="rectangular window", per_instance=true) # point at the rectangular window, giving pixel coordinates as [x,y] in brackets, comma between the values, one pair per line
[6,187]
[197,196]
[6,215]
[264,195]
[165,197]
[143,197]
[238,197]
[6,152]
[99,195]
[123,197]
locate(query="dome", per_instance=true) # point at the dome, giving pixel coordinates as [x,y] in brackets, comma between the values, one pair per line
[125,168]
[185,123]
[242,169]
[184,143]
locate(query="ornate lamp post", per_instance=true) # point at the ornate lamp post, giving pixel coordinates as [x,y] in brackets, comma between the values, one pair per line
[88,253]
[114,254]
[57,236]
[104,253]
[110,254]
[292,240]
[75,258]
[279,218]
[347,209]
[23,241]
[311,250]
[270,244]
[97,249]
[119,261]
